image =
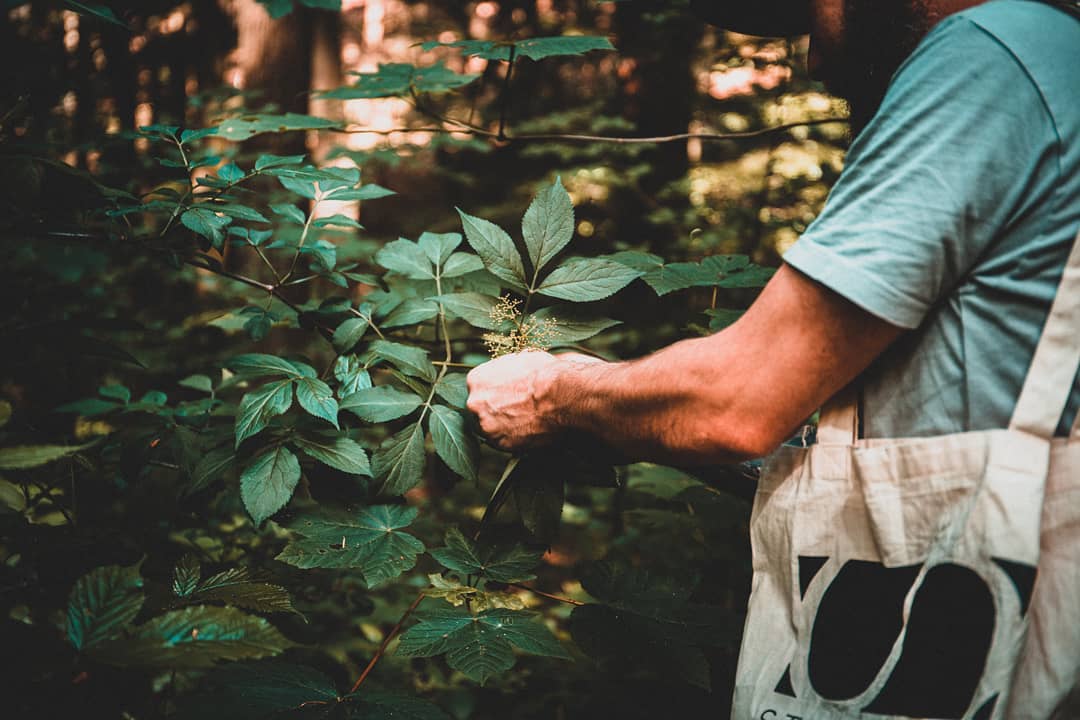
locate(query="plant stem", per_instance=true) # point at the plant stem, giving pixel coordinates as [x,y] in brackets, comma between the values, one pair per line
[469,129]
[504,96]
[303,239]
[386,643]
[370,322]
[549,596]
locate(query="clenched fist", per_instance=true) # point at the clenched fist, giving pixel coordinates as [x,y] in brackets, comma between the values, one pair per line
[520,399]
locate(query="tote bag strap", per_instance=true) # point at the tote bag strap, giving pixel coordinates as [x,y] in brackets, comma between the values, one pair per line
[838,423]
[1053,368]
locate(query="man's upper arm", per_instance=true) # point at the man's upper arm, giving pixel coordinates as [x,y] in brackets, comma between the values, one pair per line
[797,345]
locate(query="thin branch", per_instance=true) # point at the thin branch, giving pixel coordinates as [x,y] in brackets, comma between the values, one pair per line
[386,643]
[467,129]
[549,596]
[504,96]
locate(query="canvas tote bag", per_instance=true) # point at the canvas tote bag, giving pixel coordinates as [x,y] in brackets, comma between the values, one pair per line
[926,577]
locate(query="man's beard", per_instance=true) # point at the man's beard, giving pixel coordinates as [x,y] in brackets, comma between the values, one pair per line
[878,36]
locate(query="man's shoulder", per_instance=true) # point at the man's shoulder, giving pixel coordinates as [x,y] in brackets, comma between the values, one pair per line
[1030,29]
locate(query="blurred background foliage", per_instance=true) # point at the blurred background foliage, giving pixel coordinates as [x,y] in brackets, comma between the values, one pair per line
[89,315]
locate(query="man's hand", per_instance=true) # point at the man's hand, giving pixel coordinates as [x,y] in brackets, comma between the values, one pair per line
[511,397]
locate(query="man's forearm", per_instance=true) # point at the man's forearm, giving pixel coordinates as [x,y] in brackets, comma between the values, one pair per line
[731,396]
[673,406]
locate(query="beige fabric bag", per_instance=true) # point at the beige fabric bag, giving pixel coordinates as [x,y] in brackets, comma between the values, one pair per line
[896,578]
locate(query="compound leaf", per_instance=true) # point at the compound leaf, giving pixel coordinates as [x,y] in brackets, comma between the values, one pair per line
[492,562]
[478,645]
[371,542]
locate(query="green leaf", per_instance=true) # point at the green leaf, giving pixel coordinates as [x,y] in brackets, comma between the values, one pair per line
[501,564]
[194,638]
[471,307]
[371,542]
[241,212]
[461,263]
[381,404]
[102,604]
[115,392]
[720,318]
[453,389]
[231,173]
[350,372]
[411,312]
[258,364]
[478,645]
[248,126]
[259,406]
[587,280]
[646,620]
[238,588]
[727,271]
[399,461]
[572,325]
[272,161]
[95,10]
[534,48]
[439,246]
[548,225]
[268,482]
[340,453]
[409,360]
[396,79]
[187,136]
[23,457]
[439,79]
[456,446]
[201,383]
[317,399]
[405,257]
[540,48]
[186,576]
[304,187]
[289,211]
[390,80]
[259,690]
[336,219]
[536,483]
[496,249]
[334,5]
[364,192]
[349,333]
[377,705]
[207,223]
[210,467]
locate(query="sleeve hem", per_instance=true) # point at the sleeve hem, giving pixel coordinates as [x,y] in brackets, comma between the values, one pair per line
[853,283]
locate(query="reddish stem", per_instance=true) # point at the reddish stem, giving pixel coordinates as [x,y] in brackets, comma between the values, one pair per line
[385,643]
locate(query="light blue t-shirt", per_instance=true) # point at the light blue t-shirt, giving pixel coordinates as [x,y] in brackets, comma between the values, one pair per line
[954,215]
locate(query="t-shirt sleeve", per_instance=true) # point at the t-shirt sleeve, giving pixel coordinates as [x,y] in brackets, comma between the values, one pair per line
[932,179]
